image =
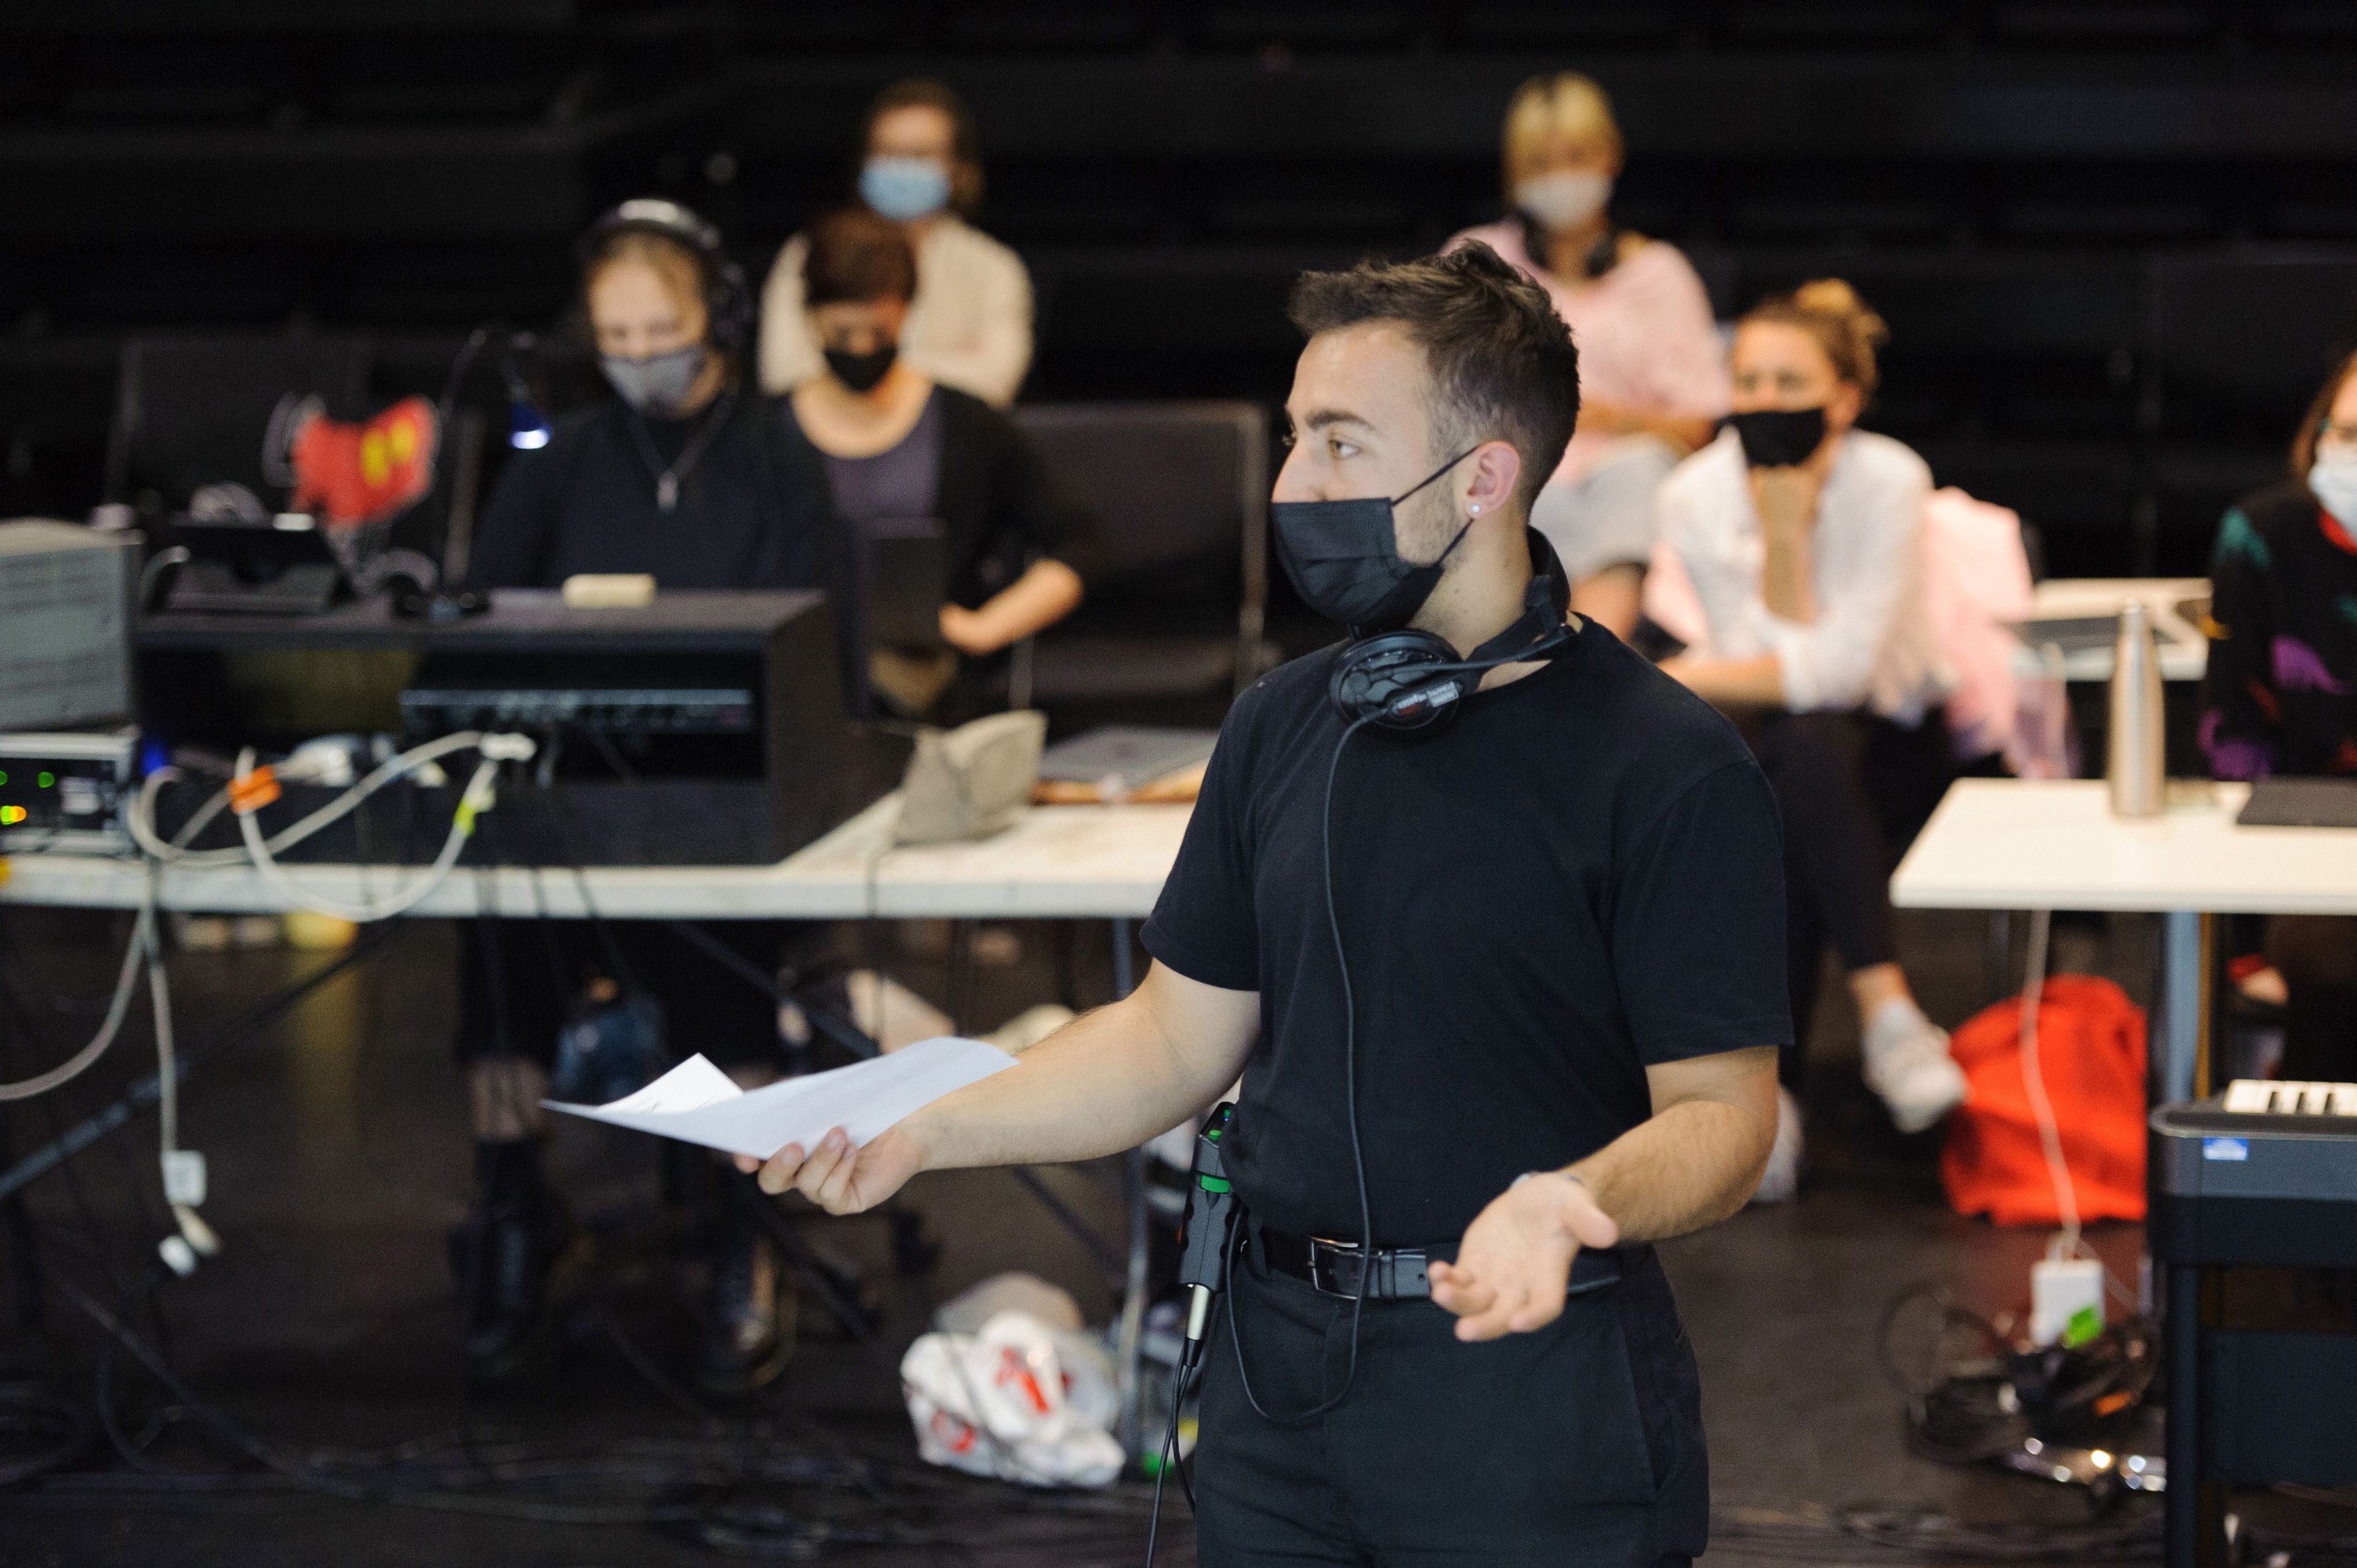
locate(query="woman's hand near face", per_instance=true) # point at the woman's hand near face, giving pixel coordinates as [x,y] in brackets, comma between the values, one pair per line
[1786,500]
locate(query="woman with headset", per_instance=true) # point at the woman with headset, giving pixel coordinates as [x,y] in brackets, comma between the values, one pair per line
[1652,375]
[693,476]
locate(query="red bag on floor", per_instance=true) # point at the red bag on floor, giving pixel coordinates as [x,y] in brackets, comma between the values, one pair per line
[2090,1043]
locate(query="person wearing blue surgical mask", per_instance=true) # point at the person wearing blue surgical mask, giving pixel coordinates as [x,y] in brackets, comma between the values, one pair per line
[969,327]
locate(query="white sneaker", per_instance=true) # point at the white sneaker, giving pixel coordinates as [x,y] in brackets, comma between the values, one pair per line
[1780,1182]
[1907,1063]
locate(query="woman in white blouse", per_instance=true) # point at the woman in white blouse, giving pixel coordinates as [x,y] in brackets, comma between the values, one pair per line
[1789,562]
[970,325]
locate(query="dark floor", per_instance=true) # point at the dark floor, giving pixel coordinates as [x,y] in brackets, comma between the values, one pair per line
[339,1160]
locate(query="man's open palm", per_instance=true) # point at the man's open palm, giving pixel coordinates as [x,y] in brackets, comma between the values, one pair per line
[1514,1264]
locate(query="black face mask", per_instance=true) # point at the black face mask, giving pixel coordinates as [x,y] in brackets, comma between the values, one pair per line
[861,372]
[1779,437]
[1343,557]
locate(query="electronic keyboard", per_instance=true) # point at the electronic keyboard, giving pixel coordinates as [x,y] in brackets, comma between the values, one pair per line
[2265,1173]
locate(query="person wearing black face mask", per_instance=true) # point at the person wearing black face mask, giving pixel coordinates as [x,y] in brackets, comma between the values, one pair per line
[1789,562]
[689,476]
[898,447]
[1506,997]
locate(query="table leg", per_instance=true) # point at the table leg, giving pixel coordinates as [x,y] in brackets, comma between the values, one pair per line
[2178,1038]
[1132,1192]
[2193,1515]
[1997,957]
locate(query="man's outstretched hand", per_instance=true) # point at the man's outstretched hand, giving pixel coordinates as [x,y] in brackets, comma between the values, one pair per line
[1514,1264]
[838,1178]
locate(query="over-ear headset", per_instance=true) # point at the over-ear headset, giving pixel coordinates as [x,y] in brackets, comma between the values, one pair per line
[728,299]
[1411,683]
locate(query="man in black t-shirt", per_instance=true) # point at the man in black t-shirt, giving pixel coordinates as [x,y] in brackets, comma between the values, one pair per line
[1505,993]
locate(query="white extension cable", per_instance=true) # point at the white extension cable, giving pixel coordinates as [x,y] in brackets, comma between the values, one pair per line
[475,798]
[2066,1241]
[183,1169]
[143,936]
[139,811]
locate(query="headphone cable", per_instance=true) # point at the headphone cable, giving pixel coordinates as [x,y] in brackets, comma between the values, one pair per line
[1358,1156]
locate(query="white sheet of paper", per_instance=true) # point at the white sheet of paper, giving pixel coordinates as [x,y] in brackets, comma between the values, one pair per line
[697,1104]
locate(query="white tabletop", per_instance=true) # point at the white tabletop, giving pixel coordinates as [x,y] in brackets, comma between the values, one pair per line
[2184,650]
[1055,863]
[2003,843]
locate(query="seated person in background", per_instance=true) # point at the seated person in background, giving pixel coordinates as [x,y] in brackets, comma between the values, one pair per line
[2281,695]
[969,321]
[694,476]
[1652,374]
[1801,538]
[898,446]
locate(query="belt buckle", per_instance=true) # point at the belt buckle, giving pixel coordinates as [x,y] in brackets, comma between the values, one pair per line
[1321,1278]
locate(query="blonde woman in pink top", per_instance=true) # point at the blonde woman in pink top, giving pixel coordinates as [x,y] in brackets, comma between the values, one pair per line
[1653,371]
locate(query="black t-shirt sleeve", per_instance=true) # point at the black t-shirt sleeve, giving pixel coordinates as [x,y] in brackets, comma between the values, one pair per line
[1204,924]
[1698,922]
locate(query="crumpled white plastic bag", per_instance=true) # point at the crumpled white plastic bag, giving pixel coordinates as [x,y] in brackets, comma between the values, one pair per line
[1018,1401]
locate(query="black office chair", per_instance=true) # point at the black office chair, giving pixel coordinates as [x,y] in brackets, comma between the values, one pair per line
[1176,605]
[193,410]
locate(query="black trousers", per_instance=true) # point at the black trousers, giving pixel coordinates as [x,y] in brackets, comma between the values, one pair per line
[1853,789]
[1581,1444]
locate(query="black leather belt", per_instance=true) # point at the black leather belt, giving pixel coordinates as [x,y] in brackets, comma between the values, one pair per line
[1333,1267]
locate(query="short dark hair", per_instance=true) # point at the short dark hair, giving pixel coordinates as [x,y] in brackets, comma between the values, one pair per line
[1502,362]
[965,148]
[857,258]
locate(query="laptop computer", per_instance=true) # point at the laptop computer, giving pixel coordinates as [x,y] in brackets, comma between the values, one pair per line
[2300,804]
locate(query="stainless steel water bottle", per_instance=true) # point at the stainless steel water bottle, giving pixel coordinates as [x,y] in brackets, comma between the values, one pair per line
[2135,767]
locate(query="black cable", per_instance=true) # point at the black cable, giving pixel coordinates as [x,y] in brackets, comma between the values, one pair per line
[1350,1103]
[1169,1456]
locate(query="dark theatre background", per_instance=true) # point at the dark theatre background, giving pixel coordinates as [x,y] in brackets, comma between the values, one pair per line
[2113,240]
[2116,242]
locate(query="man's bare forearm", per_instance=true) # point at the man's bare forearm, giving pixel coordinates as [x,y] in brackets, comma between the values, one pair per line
[1690,1164]
[1106,1082]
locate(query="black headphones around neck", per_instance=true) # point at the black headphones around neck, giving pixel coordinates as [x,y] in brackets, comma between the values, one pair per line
[728,299]
[1411,683]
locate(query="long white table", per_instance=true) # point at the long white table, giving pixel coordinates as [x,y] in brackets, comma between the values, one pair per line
[2001,843]
[1055,863]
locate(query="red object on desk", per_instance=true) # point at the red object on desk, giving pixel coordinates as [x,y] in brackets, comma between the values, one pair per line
[353,473]
[2090,1045]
